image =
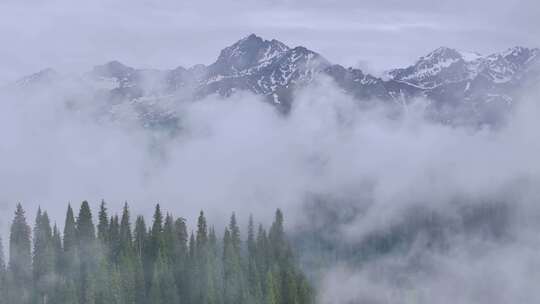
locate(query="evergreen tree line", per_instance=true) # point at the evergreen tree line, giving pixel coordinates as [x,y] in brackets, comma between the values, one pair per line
[112,263]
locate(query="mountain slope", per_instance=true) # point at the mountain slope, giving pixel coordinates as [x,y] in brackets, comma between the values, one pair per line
[462,87]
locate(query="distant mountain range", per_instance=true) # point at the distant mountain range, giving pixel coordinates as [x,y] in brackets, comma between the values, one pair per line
[462,87]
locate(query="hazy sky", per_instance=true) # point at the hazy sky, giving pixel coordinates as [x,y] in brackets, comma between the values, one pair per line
[240,155]
[374,35]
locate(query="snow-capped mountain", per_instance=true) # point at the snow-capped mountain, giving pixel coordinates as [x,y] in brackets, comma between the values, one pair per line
[446,65]
[269,68]
[463,87]
[470,86]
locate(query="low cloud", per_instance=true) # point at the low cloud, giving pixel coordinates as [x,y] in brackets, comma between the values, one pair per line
[240,154]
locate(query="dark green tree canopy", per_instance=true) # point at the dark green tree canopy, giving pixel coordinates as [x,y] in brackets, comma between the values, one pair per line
[141,266]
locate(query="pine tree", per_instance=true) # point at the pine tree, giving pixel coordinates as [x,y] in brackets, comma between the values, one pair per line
[156,266]
[88,254]
[103,290]
[58,250]
[192,271]
[233,285]
[262,253]
[278,244]
[289,286]
[114,239]
[163,290]
[127,277]
[67,293]
[43,258]
[182,257]
[103,225]
[86,230]
[126,238]
[140,236]
[155,295]
[271,296]
[202,270]
[155,243]
[139,281]
[305,293]
[192,248]
[58,255]
[117,295]
[20,260]
[235,234]
[156,234]
[215,274]
[168,239]
[70,266]
[3,275]
[70,230]
[254,282]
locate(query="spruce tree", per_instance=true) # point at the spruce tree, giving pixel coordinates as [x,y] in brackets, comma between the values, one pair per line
[233,285]
[88,255]
[202,270]
[253,278]
[156,234]
[235,234]
[86,230]
[70,266]
[139,281]
[262,252]
[163,289]
[215,274]
[126,238]
[58,250]
[278,244]
[168,239]
[58,254]
[3,295]
[140,236]
[43,258]
[67,293]
[271,292]
[114,239]
[182,257]
[103,225]
[103,288]
[20,260]
[127,277]
[156,266]
[191,296]
[70,230]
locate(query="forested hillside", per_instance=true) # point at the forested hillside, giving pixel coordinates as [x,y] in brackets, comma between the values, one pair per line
[161,264]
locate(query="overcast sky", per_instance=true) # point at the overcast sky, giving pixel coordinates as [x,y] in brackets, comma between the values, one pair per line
[374,35]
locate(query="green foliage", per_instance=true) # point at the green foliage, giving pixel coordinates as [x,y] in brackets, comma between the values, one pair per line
[162,265]
[43,258]
[19,282]
[103,224]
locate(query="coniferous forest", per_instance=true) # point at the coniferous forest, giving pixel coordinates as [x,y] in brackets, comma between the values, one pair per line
[107,261]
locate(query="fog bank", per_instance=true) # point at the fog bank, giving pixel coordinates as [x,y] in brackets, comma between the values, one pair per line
[240,154]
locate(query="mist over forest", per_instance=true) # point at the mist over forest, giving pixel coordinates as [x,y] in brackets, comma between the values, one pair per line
[278,170]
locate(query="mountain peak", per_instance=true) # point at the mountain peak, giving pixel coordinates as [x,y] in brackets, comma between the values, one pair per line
[248,52]
[113,69]
[442,53]
[520,54]
[251,37]
[42,77]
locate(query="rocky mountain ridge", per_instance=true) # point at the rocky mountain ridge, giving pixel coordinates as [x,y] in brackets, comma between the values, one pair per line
[461,87]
